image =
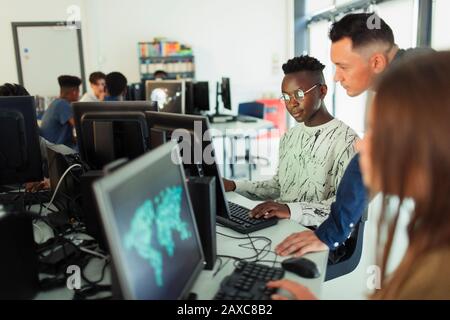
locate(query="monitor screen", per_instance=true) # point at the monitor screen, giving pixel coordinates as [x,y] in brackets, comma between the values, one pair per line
[226,93]
[20,153]
[201,95]
[150,226]
[169,95]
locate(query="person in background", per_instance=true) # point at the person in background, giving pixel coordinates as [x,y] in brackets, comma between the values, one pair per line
[97,82]
[313,155]
[405,153]
[58,123]
[116,86]
[160,75]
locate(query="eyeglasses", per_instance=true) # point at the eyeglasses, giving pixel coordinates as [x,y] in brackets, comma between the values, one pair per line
[298,94]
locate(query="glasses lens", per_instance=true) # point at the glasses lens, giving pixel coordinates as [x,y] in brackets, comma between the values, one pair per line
[299,95]
[285,97]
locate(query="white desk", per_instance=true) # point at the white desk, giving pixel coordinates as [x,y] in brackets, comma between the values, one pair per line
[237,130]
[207,285]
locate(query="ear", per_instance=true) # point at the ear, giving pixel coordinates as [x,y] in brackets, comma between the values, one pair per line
[379,63]
[323,91]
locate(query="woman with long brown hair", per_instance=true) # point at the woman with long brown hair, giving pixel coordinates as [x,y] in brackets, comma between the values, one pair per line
[406,153]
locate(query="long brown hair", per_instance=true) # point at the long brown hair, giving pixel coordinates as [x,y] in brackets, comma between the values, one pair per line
[411,154]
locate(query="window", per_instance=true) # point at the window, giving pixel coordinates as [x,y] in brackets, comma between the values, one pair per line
[401,16]
[319,48]
[313,6]
[440,35]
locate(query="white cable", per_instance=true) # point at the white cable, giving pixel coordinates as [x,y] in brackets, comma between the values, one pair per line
[41,237]
[59,183]
[94,253]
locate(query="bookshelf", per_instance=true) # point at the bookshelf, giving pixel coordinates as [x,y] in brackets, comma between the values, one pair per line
[175,59]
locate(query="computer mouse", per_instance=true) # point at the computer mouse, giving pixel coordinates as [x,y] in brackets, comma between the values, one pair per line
[302,267]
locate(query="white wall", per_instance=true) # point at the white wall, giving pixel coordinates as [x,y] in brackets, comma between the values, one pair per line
[244,40]
[24,11]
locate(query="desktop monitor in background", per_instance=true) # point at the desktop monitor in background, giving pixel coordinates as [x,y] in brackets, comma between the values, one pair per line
[135,92]
[201,95]
[150,226]
[107,131]
[20,154]
[226,93]
[169,95]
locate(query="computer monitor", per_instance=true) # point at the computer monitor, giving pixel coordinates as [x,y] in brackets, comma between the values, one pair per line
[20,154]
[135,92]
[226,93]
[169,95]
[150,226]
[107,131]
[202,160]
[201,96]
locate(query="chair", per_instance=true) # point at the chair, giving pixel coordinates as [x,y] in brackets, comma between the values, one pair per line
[352,255]
[251,109]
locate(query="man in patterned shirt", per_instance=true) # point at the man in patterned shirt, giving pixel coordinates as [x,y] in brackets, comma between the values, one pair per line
[313,155]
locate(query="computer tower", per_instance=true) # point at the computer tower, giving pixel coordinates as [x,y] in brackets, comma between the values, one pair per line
[91,217]
[202,191]
[19,262]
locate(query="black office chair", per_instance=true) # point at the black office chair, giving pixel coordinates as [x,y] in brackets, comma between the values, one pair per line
[256,110]
[352,256]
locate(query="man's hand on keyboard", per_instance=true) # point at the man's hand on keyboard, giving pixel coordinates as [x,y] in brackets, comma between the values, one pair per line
[300,243]
[270,209]
[298,291]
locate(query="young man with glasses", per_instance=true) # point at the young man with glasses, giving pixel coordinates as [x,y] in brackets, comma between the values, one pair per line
[313,155]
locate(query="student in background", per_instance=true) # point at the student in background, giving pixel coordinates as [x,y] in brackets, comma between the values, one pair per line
[405,153]
[57,122]
[160,75]
[116,87]
[313,155]
[97,81]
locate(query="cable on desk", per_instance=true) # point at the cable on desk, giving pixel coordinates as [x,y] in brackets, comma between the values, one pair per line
[259,252]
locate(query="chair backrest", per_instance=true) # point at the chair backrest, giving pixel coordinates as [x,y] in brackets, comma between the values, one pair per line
[253,109]
[353,255]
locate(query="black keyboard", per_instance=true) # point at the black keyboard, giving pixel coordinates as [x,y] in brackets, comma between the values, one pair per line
[240,221]
[248,282]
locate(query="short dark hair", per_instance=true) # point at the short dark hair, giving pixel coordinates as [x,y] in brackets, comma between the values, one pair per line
[95,76]
[116,83]
[12,89]
[355,27]
[304,63]
[69,82]
[160,73]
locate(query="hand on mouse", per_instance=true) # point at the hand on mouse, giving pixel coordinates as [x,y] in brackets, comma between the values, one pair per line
[300,244]
[297,290]
[270,209]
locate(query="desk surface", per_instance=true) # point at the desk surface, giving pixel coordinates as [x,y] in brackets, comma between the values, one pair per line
[240,128]
[207,284]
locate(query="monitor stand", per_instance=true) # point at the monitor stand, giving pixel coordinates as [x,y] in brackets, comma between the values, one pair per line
[217,117]
[221,118]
